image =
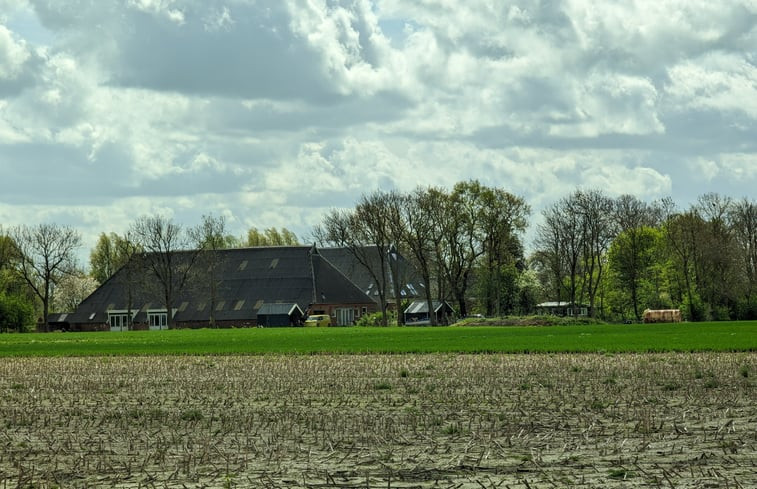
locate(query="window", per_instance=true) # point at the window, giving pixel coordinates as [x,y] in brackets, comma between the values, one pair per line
[118,321]
[157,320]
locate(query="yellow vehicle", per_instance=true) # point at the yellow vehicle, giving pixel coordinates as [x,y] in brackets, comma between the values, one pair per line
[318,320]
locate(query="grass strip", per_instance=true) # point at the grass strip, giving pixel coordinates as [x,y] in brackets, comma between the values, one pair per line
[683,337]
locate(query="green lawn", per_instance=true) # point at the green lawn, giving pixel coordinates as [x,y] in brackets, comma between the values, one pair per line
[720,336]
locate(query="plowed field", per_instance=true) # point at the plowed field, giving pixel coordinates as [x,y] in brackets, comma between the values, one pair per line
[459,421]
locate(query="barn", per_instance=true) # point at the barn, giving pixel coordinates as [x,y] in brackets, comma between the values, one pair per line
[254,287]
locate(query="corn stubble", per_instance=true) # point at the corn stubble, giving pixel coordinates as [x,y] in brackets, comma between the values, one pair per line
[458,421]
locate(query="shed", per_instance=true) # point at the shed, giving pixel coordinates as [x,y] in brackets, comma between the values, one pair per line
[57,322]
[417,312]
[278,314]
[562,309]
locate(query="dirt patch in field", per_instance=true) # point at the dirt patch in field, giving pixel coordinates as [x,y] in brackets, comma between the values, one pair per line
[458,421]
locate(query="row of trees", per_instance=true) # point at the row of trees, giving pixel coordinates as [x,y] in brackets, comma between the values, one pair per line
[467,238]
[614,256]
[623,255]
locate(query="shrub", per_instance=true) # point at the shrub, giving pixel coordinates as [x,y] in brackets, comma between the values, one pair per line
[16,313]
[376,318]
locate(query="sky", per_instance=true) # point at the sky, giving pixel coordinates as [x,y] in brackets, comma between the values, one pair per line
[272,112]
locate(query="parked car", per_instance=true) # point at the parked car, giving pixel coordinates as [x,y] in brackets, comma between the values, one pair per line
[318,320]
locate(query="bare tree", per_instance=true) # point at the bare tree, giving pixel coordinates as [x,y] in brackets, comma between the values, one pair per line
[598,229]
[166,254]
[743,220]
[560,247]
[421,236]
[681,232]
[46,255]
[548,257]
[365,235]
[395,223]
[132,272]
[210,238]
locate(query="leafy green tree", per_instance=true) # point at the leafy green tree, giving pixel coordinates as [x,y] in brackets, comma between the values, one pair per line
[478,223]
[366,236]
[111,252]
[632,256]
[271,237]
[16,313]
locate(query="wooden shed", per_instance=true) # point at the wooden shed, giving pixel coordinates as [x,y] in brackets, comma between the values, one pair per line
[278,315]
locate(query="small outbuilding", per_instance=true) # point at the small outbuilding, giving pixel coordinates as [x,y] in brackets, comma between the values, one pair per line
[562,309]
[278,315]
[417,312]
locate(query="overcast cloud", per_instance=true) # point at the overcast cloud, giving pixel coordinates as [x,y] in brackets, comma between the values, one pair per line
[272,112]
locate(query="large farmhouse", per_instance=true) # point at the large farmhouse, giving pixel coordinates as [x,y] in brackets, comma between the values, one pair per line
[253,286]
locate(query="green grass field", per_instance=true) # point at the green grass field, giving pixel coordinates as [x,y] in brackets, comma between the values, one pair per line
[684,337]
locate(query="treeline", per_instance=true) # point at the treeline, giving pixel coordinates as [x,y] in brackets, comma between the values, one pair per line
[613,256]
[623,255]
[465,243]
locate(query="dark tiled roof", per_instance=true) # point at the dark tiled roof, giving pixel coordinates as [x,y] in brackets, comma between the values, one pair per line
[275,309]
[355,268]
[248,278]
[421,307]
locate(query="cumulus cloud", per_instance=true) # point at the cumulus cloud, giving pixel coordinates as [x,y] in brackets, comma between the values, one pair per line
[272,112]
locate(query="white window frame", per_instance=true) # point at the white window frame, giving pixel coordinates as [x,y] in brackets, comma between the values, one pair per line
[118,319]
[157,319]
